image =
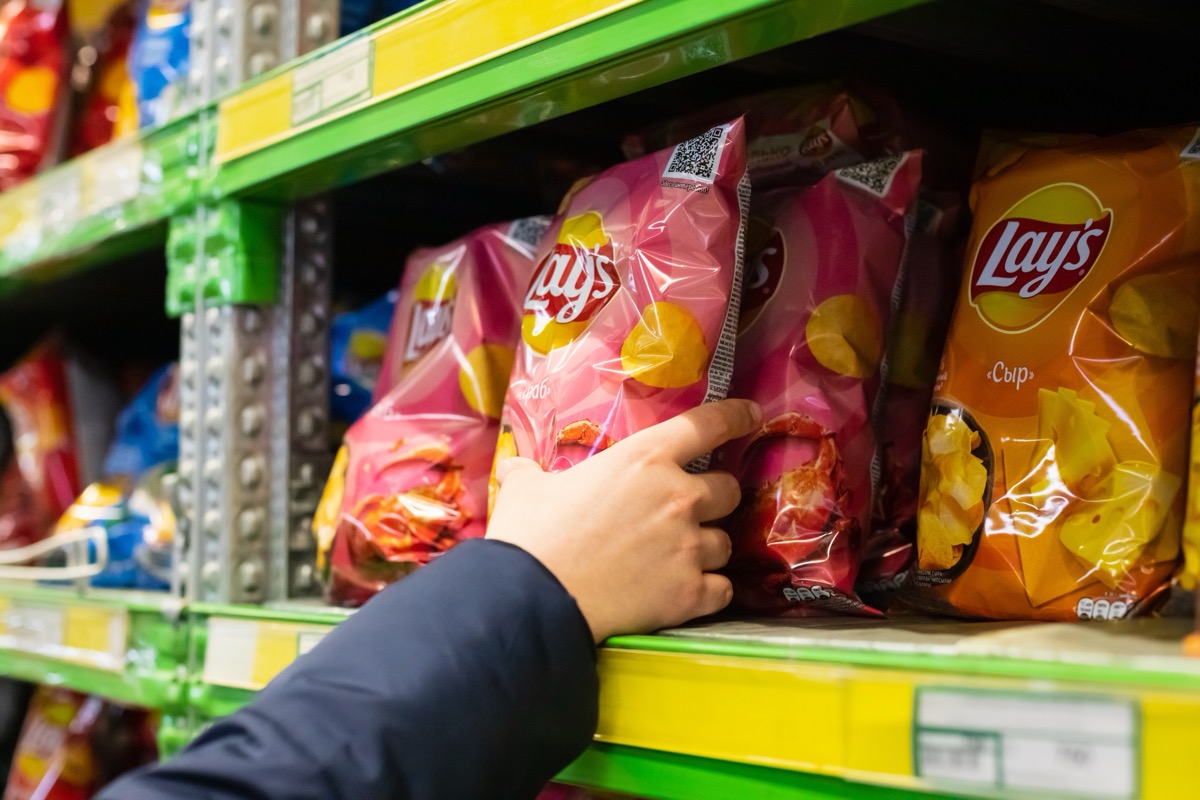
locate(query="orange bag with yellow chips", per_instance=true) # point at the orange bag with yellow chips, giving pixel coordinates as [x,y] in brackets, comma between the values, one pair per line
[1053,464]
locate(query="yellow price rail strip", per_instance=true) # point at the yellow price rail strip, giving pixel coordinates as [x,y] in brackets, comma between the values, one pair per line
[433,42]
[248,653]
[79,633]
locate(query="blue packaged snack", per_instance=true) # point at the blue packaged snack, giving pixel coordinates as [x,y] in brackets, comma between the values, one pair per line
[130,504]
[358,14]
[358,340]
[158,59]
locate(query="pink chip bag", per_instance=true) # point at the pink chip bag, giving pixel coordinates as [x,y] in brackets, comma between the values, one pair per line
[631,315]
[816,308]
[411,479]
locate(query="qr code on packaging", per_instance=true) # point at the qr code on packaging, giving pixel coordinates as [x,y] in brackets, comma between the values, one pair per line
[874,176]
[697,159]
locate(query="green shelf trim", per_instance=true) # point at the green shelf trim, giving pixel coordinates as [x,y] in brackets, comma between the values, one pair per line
[649,44]
[167,179]
[212,702]
[131,599]
[151,691]
[318,615]
[998,666]
[670,776]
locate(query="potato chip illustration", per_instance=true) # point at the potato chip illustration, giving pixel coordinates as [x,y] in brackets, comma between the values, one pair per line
[438,282]
[506,448]
[1080,438]
[1157,314]
[953,484]
[843,335]
[483,377]
[666,348]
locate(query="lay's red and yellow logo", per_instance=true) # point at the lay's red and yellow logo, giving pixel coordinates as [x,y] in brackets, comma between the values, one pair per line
[571,284]
[433,305]
[1032,258]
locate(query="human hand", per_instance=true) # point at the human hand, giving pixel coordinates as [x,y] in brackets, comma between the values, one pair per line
[624,531]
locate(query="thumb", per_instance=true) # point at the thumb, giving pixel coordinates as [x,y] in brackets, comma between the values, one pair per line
[510,466]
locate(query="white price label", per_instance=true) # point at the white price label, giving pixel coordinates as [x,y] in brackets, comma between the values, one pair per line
[305,642]
[1069,745]
[338,79]
[115,176]
[60,202]
[35,630]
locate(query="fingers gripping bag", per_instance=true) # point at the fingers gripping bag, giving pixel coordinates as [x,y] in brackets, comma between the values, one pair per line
[818,300]
[1055,454]
[411,479]
[632,311]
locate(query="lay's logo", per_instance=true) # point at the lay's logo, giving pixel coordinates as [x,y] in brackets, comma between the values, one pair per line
[578,276]
[1031,259]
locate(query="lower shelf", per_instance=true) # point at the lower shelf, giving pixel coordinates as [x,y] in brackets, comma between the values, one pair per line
[840,708]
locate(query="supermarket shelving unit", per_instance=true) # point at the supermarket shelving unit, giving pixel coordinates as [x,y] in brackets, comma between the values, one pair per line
[231,194]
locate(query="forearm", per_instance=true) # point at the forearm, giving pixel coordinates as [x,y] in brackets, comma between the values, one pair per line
[473,678]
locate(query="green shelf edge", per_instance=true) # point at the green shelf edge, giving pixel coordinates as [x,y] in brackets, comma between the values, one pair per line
[124,687]
[671,776]
[612,56]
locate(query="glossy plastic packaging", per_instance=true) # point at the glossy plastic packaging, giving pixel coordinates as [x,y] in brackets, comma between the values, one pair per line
[33,66]
[411,478]
[817,305]
[632,311]
[1054,461]
[158,60]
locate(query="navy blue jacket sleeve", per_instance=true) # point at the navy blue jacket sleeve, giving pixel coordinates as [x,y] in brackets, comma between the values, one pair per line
[473,678]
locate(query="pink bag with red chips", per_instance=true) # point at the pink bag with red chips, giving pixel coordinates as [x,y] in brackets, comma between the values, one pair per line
[818,302]
[632,311]
[411,479]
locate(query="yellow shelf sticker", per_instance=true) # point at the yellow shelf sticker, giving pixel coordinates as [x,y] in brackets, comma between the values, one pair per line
[441,40]
[248,654]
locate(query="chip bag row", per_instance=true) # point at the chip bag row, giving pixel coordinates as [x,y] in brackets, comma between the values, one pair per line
[1055,459]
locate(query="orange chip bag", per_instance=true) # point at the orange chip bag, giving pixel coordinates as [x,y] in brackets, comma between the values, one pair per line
[1190,576]
[1053,465]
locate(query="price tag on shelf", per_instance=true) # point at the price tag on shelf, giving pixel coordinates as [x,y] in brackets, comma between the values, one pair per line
[60,199]
[34,629]
[1070,745]
[81,634]
[247,654]
[335,81]
[113,176]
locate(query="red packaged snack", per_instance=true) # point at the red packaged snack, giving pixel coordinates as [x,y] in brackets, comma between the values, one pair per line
[72,744]
[411,478]
[32,86]
[818,301]
[632,311]
[106,103]
[42,477]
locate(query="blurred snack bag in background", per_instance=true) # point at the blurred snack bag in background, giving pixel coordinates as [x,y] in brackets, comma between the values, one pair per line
[817,304]
[631,315]
[105,105]
[158,59]
[130,502]
[411,479]
[33,87]
[358,14]
[73,744]
[1190,574]
[39,478]
[1052,482]
[358,344]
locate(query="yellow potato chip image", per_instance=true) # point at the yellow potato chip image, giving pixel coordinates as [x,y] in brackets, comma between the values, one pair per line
[329,509]
[1157,313]
[666,348]
[544,334]
[483,377]
[844,336]
[585,230]
[1012,312]
[953,484]
[32,90]
[437,283]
